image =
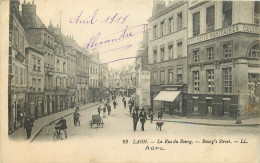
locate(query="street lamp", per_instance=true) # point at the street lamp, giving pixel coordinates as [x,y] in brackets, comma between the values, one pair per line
[238,121]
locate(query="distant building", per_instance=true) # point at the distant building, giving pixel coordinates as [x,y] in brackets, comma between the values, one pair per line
[223,57]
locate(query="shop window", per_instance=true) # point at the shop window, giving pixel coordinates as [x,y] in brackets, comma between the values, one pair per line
[254,87]
[209,107]
[196,81]
[210,18]
[195,105]
[210,54]
[196,23]
[227,50]
[196,56]
[179,75]
[254,52]
[179,21]
[210,80]
[257,12]
[162,54]
[170,25]
[227,76]
[170,51]
[154,56]
[155,31]
[227,13]
[170,76]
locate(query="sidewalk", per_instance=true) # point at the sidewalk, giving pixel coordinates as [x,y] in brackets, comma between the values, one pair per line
[20,133]
[209,122]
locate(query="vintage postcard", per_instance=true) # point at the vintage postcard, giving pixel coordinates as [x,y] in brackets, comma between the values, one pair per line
[130,81]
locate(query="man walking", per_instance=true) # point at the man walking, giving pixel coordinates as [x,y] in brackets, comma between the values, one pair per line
[124,103]
[108,109]
[143,118]
[76,118]
[135,119]
[28,124]
[99,108]
[114,103]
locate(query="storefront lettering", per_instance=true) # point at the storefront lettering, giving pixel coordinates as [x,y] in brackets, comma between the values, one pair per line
[224,32]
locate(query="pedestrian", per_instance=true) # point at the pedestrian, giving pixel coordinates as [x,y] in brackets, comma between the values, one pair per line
[151,116]
[28,124]
[137,108]
[125,103]
[114,103]
[143,118]
[99,108]
[135,119]
[160,113]
[130,108]
[104,111]
[108,109]
[76,118]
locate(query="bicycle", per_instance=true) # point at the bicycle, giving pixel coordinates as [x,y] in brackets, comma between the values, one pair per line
[57,135]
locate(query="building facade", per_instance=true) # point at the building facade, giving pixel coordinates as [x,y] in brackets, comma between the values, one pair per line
[17,76]
[167,56]
[82,62]
[223,57]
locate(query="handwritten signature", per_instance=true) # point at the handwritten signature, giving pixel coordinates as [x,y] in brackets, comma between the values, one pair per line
[115,18]
[128,32]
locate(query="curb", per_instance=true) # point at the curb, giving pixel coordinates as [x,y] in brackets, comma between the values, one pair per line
[40,130]
[208,124]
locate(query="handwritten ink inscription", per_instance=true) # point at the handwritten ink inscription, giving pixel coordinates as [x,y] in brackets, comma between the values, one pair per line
[84,18]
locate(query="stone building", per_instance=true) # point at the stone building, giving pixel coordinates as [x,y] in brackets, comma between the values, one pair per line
[167,56]
[223,57]
[17,74]
[82,62]
[71,69]
[94,79]
[35,80]
[44,40]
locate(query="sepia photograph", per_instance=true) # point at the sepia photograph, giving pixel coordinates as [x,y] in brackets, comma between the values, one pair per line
[130,81]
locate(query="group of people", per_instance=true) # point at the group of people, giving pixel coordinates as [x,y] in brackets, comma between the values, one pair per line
[141,116]
[106,108]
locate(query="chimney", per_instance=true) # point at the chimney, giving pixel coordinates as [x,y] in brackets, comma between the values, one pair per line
[29,14]
[158,5]
[15,4]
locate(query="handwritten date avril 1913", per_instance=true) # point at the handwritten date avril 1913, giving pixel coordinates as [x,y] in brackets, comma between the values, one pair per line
[82,18]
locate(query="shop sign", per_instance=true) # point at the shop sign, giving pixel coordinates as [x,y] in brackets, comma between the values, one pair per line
[225,31]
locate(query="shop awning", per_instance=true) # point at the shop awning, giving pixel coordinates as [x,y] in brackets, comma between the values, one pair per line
[167,96]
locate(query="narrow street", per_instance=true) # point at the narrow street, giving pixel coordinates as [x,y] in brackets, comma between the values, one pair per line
[119,123]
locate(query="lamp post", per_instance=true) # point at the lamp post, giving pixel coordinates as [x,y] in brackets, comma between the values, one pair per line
[238,121]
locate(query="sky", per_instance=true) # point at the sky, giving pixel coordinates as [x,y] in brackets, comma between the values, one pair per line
[98,25]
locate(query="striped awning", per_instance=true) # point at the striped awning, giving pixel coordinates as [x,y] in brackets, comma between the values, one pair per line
[167,96]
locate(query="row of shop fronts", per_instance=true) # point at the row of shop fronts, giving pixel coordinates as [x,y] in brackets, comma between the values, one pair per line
[37,104]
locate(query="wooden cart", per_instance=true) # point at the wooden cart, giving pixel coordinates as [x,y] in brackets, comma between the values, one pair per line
[96,119]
